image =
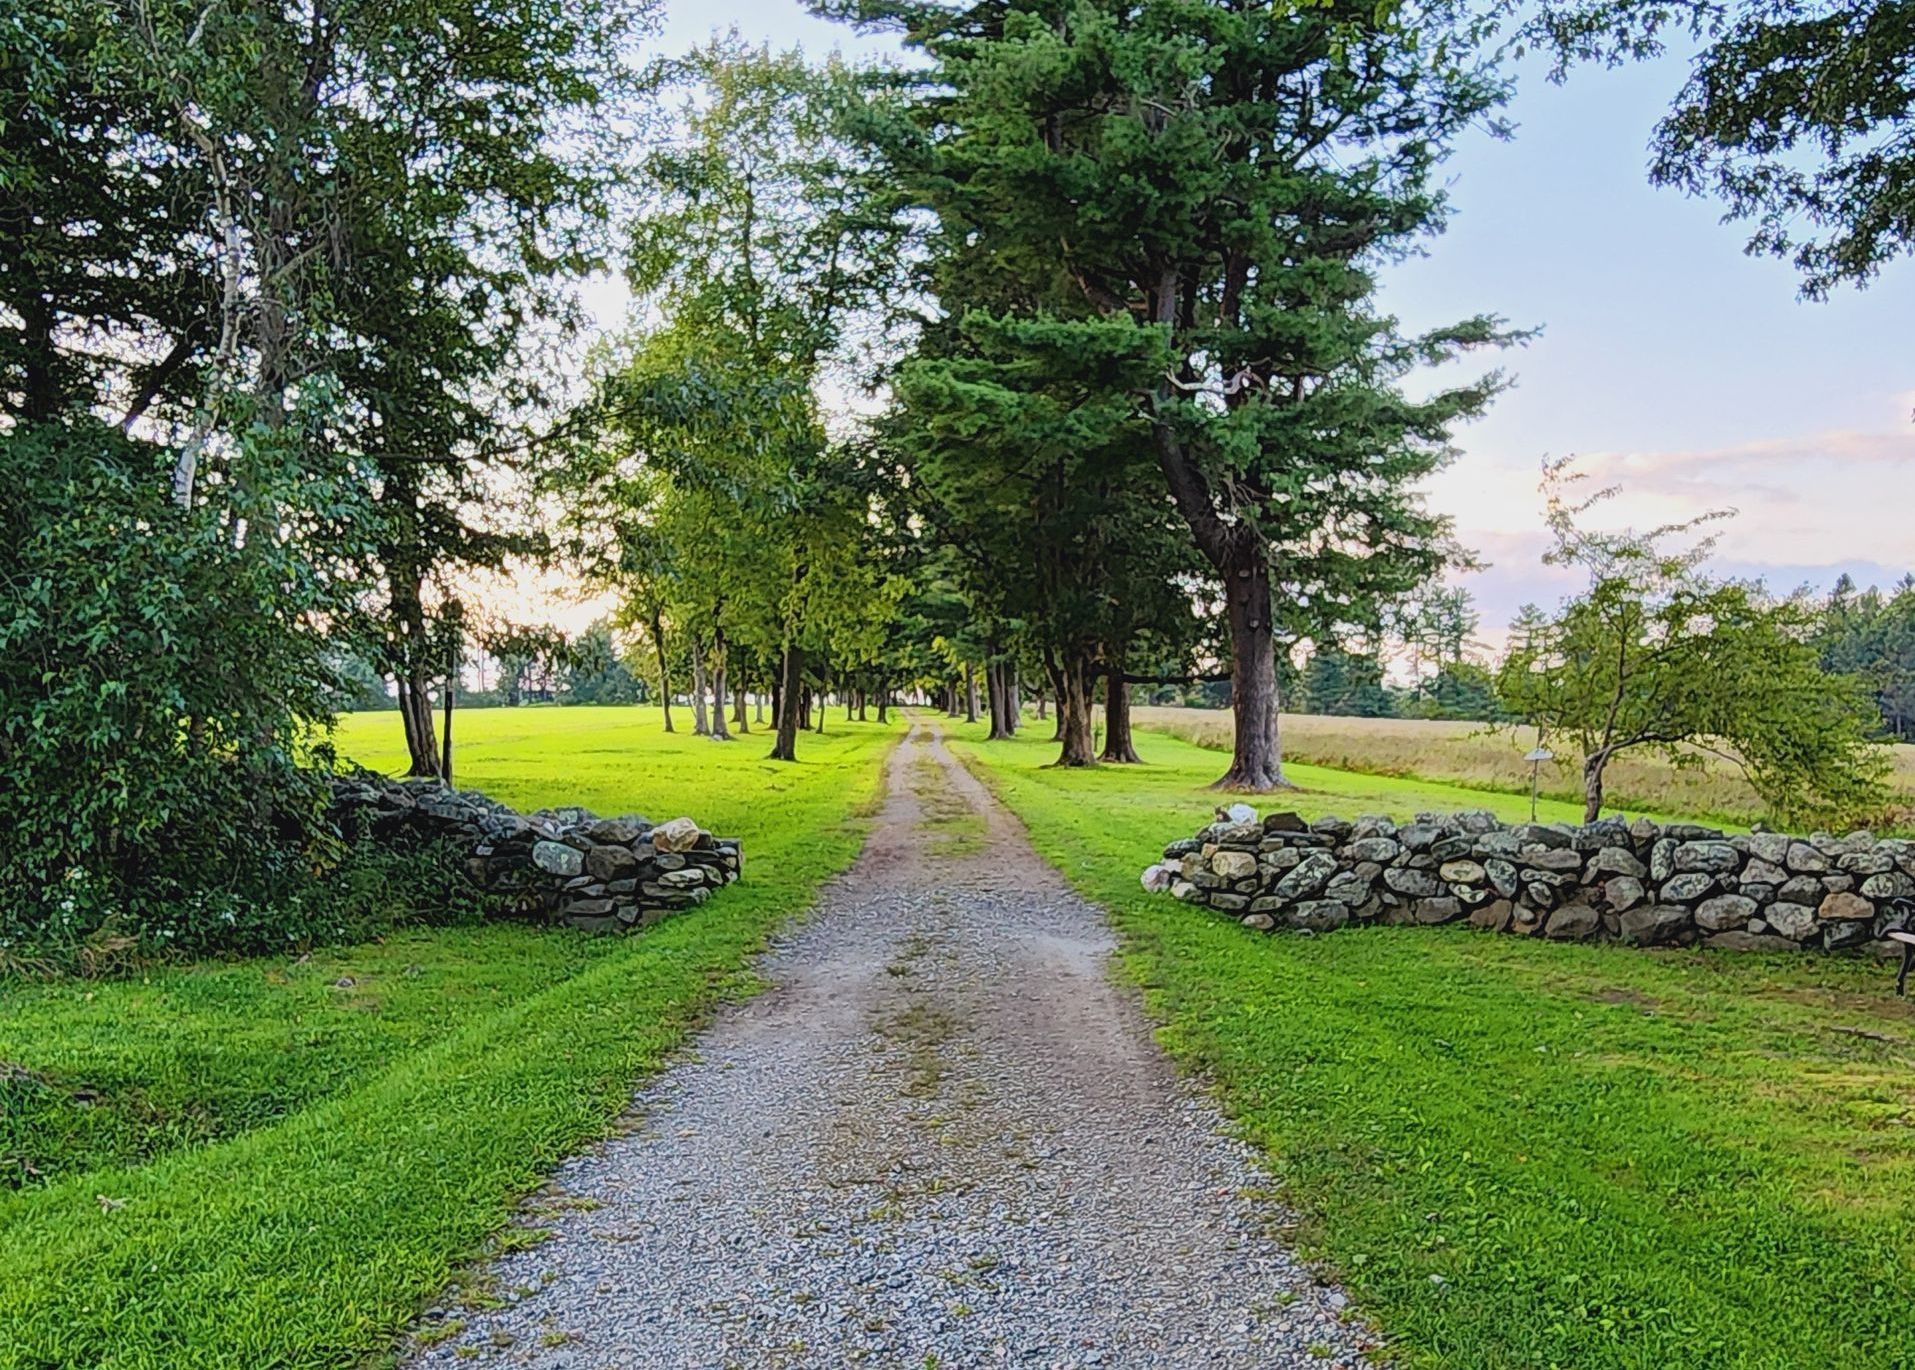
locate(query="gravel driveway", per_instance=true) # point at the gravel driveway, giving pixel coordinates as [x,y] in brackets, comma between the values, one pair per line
[942,1138]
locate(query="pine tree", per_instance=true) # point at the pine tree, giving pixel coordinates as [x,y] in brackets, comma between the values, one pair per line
[1217,186]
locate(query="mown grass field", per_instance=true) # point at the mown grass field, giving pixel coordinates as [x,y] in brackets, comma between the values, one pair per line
[1522,1154]
[272,1162]
[1470,754]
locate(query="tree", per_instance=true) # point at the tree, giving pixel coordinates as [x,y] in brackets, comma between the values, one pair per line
[1219,186]
[1037,474]
[531,659]
[162,684]
[1657,655]
[752,252]
[1338,681]
[1797,114]
[596,673]
[1870,634]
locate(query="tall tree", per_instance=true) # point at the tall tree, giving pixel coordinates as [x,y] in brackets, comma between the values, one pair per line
[1220,186]
[752,253]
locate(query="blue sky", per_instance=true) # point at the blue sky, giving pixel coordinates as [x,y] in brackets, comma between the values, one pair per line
[1669,362]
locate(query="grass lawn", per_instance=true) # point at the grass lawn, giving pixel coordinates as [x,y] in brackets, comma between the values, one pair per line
[272,1162]
[1517,1153]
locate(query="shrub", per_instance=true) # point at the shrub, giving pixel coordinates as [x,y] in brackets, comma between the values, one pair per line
[159,670]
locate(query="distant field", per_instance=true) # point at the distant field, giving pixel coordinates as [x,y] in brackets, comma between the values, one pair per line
[1469,754]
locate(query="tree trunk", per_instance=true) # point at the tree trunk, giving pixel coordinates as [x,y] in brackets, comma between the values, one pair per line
[1043,701]
[884,703]
[823,700]
[1013,699]
[1117,743]
[739,704]
[700,725]
[664,671]
[1240,561]
[1079,743]
[1256,765]
[1593,765]
[864,707]
[1056,674]
[719,732]
[452,685]
[1001,729]
[970,694]
[786,702]
[414,685]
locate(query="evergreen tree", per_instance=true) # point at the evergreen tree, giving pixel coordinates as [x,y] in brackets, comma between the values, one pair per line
[1217,187]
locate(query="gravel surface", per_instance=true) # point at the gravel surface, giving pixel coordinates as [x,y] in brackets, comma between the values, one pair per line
[942,1138]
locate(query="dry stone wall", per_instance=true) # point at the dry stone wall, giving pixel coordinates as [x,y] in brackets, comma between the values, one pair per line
[1637,882]
[570,865]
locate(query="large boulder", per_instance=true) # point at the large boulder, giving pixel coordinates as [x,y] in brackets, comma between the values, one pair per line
[1234,865]
[1318,915]
[1572,923]
[679,835]
[1724,913]
[607,862]
[1688,887]
[1623,892]
[1804,859]
[1716,858]
[1493,916]
[1794,921]
[1417,884]
[1652,925]
[1845,907]
[1307,877]
[1616,861]
[556,858]
[1442,909]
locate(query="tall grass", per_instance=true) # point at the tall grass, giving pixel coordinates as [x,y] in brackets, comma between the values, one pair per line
[1472,755]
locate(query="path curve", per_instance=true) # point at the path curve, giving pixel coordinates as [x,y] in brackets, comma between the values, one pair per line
[941,1138]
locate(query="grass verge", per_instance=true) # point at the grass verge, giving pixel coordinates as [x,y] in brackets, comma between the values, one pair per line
[346,1182]
[1521,1154]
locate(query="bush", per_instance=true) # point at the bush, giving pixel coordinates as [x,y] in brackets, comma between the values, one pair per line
[160,669]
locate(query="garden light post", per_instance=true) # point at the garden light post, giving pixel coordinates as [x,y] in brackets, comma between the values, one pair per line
[1537,756]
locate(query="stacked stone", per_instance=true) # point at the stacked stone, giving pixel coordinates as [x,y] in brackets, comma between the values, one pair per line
[1638,882]
[600,874]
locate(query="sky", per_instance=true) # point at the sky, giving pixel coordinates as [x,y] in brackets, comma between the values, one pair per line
[1669,363]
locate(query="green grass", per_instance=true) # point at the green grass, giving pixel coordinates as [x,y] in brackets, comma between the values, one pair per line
[283,1168]
[126,1071]
[1523,1154]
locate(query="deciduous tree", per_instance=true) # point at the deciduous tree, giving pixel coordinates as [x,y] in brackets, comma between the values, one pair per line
[1656,654]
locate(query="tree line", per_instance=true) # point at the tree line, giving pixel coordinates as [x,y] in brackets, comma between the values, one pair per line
[1049,362]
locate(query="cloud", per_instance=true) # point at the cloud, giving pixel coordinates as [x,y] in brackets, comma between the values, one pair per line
[1806,507]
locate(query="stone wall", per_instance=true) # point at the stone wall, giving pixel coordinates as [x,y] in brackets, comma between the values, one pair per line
[601,874]
[1636,882]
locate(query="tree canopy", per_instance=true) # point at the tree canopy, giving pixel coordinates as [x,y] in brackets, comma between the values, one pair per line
[1797,115]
